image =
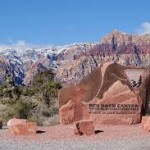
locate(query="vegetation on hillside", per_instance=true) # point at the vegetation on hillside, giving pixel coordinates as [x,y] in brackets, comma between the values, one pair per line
[37,102]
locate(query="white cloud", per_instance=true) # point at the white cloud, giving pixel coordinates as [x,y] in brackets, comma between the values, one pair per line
[24,44]
[144,28]
[20,43]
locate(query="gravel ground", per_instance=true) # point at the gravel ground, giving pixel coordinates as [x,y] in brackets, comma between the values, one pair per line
[62,138]
[139,144]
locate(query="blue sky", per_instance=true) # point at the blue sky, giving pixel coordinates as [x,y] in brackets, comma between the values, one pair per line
[59,22]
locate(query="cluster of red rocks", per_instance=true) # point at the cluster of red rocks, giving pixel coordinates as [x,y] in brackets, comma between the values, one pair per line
[86,127]
[106,96]
[83,127]
[108,86]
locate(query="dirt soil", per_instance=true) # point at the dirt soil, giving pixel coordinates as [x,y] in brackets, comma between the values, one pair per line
[65,132]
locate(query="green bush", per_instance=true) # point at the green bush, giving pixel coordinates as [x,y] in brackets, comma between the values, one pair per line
[45,121]
[51,121]
[9,114]
[22,109]
[35,102]
[49,112]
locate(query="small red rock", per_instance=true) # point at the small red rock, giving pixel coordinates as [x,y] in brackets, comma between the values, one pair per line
[24,129]
[14,122]
[21,127]
[146,123]
[84,127]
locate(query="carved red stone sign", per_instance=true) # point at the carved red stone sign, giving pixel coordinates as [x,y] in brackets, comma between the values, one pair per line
[113,94]
[114,108]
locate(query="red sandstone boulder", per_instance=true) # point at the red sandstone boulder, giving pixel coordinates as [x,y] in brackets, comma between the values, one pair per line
[14,122]
[113,94]
[21,127]
[119,105]
[84,127]
[146,123]
[73,110]
[26,129]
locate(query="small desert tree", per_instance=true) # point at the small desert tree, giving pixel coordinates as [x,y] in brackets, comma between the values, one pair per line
[45,84]
[9,89]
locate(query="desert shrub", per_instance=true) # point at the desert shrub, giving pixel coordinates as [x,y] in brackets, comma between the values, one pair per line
[9,114]
[3,110]
[28,91]
[21,110]
[49,112]
[45,84]
[45,121]
[33,118]
[36,102]
[38,119]
[51,121]
[7,101]
[44,114]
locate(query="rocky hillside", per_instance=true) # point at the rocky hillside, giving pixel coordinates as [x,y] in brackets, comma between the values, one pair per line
[128,50]
[120,38]
[72,62]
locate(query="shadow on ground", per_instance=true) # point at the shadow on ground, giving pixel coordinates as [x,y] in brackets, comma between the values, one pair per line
[40,131]
[98,131]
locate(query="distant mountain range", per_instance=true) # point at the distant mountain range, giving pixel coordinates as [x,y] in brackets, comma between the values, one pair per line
[72,62]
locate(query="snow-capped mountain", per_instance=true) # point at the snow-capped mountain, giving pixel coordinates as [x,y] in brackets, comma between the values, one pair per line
[21,61]
[71,62]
